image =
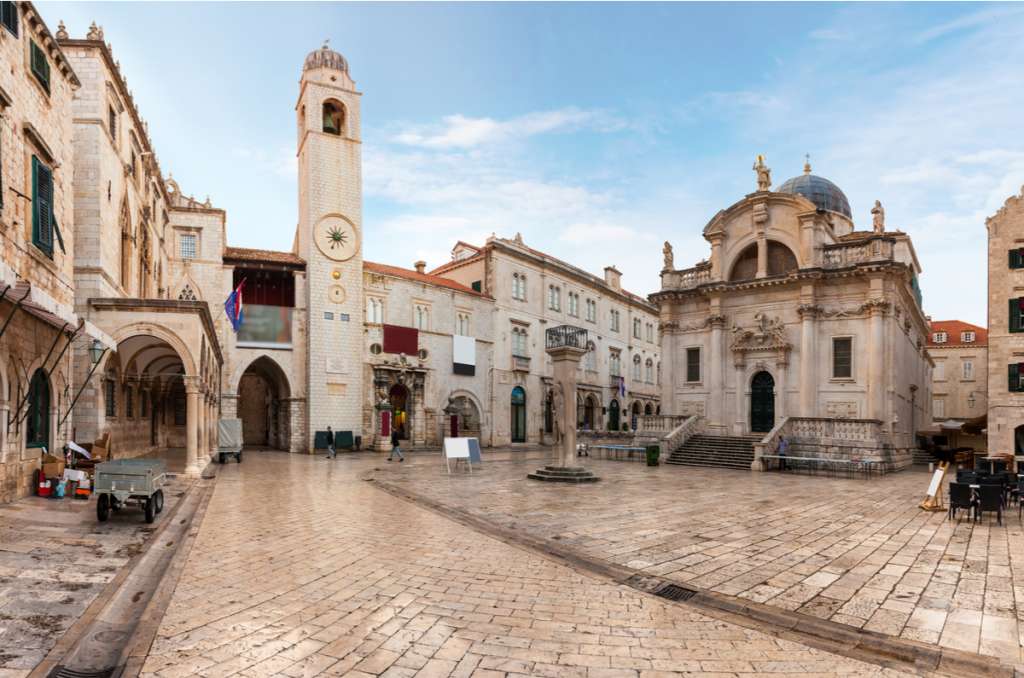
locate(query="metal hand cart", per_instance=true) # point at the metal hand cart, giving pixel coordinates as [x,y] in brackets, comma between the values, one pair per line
[130,481]
[229,440]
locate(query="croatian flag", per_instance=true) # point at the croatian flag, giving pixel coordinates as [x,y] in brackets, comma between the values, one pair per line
[622,387]
[233,306]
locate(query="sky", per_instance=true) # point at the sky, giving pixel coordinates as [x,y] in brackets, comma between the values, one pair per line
[597,131]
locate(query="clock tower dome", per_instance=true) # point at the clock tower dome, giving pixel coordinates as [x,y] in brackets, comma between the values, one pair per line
[330,239]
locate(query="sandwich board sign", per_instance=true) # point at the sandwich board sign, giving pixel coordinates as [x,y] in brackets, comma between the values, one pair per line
[474,450]
[457,448]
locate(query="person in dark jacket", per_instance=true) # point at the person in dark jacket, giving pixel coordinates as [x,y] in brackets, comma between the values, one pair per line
[395,449]
[330,444]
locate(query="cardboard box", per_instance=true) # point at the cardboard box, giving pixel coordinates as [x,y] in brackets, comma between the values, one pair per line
[53,467]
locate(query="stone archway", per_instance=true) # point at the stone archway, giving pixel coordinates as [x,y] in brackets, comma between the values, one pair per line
[264,405]
[762,402]
[401,417]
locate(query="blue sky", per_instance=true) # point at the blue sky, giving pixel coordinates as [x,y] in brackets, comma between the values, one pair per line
[596,130]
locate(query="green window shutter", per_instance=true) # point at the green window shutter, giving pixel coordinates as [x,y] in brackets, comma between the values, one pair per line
[1015,315]
[9,16]
[1014,259]
[40,67]
[42,206]
[1014,377]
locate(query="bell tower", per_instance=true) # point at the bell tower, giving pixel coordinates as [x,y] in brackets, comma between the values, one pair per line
[330,239]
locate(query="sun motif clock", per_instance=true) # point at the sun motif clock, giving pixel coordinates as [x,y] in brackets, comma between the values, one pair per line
[337,237]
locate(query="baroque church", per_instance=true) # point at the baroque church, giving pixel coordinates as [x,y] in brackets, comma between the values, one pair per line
[799,325]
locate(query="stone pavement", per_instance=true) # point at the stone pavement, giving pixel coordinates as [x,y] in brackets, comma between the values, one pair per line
[55,559]
[855,551]
[302,569]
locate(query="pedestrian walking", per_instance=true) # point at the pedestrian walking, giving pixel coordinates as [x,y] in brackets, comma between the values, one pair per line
[395,449]
[783,448]
[331,453]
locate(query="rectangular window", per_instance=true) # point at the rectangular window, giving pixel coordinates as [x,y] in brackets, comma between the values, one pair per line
[842,358]
[9,16]
[614,364]
[650,333]
[636,328]
[1017,315]
[940,371]
[967,337]
[42,207]
[40,66]
[187,246]
[968,370]
[112,124]
[938,408]
[1016,373]
[110,403]
[693,364]
[939,337]
[1017,258]
[615,321]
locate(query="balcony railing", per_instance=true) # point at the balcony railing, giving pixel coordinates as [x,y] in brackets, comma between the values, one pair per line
[266,327]
[613,379]
[520,363]
[566,336]
[874,249]
[687,278]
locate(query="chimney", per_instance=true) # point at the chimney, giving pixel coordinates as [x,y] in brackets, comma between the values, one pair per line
[612,277]
[421,266]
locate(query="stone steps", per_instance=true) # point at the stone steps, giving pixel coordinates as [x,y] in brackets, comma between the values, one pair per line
[564,474]
[735,452]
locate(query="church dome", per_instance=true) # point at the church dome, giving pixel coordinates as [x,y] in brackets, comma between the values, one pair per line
[325,57]
[823,193]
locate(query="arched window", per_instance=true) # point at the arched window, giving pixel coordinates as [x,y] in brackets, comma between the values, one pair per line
[334,118]
[519,286]
[781,261]
[649,372]
[374,310]
[518,407]
[38,415]
[421,316]
[636,368]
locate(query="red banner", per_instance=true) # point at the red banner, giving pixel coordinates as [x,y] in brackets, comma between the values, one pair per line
[401,340]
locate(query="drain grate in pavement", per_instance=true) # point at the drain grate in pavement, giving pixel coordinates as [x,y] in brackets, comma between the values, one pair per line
[65,672]
[673,592]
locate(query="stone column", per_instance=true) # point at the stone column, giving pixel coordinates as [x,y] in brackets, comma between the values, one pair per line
[762,257]
[808,361]
[876,360]
[716,374]
[741,396]
[191,426]
[782,367]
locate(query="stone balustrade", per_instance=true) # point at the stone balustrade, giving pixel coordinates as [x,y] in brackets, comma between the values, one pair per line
[840,255]
[833,439]
[687,278]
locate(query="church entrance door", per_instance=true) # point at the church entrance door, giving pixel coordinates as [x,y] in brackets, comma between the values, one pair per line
[762,403]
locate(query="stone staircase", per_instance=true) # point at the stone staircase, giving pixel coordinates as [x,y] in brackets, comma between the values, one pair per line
[713,450]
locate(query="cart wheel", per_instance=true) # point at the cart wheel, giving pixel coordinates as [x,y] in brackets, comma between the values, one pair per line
[102,507]
[159,498]
[239,456]
[220,458]
[150,510]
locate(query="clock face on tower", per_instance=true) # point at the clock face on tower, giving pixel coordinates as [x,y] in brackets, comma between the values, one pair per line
[336,237]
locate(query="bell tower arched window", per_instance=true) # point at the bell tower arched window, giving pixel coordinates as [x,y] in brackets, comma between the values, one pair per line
[333,118]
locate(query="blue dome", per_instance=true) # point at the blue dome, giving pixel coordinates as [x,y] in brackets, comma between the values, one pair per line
[823,193]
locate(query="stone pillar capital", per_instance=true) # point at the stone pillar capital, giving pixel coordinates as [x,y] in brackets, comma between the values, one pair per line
[193,385]
[716,321]
[808,311]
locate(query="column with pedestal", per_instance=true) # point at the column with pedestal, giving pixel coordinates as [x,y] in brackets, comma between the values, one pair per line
[566,345]
[191,426]
[808,371]
[716,374]
[876,360]
[741,394]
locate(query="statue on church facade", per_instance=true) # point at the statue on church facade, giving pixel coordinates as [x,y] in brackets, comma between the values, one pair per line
[878,217]
[764,174]
[667,253]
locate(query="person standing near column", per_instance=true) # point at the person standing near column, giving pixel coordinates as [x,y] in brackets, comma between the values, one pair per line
[331,452]
[395,449]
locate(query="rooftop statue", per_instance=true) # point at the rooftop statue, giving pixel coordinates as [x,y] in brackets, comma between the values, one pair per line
[764,174]
[878,217]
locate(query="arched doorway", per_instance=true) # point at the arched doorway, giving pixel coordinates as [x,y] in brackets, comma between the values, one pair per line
[589,408]
[518,415]
[263,405]
[468,417]
[398,396]
[762,403]
[37,425]
[634,415]
[613,415]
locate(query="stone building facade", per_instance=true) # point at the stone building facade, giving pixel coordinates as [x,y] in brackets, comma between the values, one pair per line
[533,291]
[959,381]
[1006,328]
[796,314]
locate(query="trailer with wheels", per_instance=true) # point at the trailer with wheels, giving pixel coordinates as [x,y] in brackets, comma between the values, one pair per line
[229,440]
[126,482]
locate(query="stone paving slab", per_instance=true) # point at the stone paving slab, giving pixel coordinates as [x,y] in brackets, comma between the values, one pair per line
[302,569]
[854,551]
[55,559]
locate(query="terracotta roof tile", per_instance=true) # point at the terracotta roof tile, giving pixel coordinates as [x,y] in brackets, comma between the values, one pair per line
[426,278]
[264,256]
[954,330]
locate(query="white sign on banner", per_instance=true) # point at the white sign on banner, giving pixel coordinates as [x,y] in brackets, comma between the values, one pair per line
[456,448]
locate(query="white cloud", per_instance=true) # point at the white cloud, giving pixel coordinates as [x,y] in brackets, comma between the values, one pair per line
[975,20]
[611,234]
[461,132]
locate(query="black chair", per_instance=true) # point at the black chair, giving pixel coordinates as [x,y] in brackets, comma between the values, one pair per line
[994,481]
[966,476]
[990,498]
[999,466]
[960,497]
[1020,495]
[980,464]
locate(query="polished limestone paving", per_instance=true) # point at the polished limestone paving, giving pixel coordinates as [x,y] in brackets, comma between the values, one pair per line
[303,568]
[852,550]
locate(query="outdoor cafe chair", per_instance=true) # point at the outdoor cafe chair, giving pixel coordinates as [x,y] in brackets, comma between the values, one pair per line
[990,498]
[960,497]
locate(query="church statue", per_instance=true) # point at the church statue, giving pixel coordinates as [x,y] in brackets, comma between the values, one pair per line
[558,410]
[667,252]
[764,174]
[878,217]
